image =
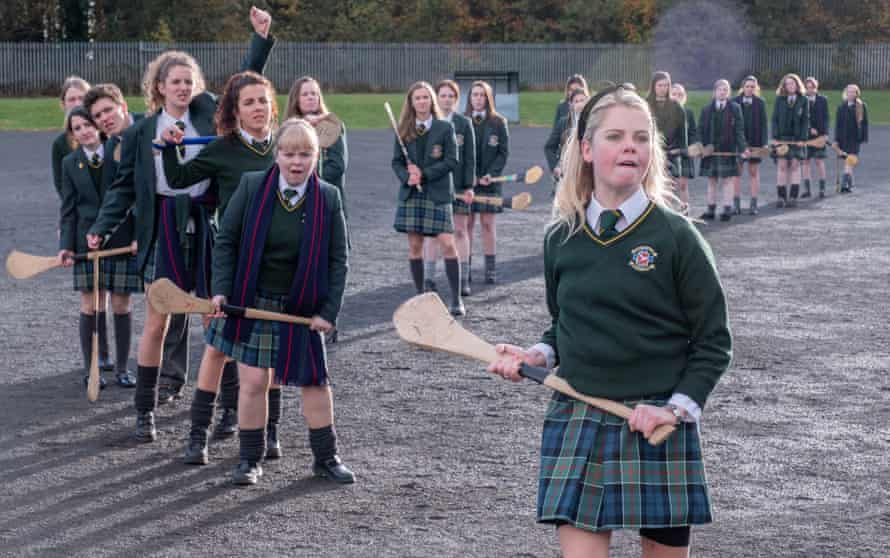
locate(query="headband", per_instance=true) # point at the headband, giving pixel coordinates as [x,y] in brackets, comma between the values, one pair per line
[588,108]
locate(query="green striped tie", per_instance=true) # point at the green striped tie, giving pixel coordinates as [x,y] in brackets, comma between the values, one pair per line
[608,219]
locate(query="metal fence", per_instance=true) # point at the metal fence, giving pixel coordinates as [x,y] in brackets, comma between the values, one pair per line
[38,68]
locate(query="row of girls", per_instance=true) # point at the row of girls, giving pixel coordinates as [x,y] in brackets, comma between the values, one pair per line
[734,127]
[261,206]
[448,159]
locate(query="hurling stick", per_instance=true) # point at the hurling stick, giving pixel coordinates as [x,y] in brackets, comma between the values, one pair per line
[424,321]
[167,298]
[24,266]
[516,203]
[530,176]
[395,128]
[93,381]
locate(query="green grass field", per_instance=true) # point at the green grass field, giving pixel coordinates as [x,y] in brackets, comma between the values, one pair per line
[365,110]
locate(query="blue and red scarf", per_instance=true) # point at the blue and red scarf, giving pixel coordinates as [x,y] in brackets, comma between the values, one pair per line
[301,353]
[173,215]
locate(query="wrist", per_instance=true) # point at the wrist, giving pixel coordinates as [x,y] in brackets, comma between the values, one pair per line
[678,413]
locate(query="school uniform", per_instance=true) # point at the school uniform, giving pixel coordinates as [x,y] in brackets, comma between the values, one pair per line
[818,118]
[177,220]
[61,148]
[721,125]
[562,110]
[332,163]
[653,329]
[435,151]
[791,123]
[492,150]
[670,118]
[281,247]
[556,140]
[86,176]
[755,123]
[464,173]
[850,135]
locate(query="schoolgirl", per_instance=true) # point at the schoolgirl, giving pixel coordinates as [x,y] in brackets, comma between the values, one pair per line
[574,81]
[756,135]
[721,128]
[73,90]
[790,124]
[817,105]
[560,133]
[683,163]
[851,130]
[671,121]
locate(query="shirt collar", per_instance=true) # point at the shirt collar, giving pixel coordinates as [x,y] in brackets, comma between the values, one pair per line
[479,114]
[428,123]
[631,210]
[250,139]
[89,154]
[300,188]
[449,117]
[186,118]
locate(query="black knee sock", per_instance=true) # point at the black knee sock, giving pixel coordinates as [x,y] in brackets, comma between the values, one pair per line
[123,331]
[146,397]
[228,389]
[103,335]
[86,338]
[202,414]
[452,271]
[323,442]
[417,273]
[489,263]
[252,445]
[795,189]
[274,406]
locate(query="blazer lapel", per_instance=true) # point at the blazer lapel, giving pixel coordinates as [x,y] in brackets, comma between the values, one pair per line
[146,154]
[83,181]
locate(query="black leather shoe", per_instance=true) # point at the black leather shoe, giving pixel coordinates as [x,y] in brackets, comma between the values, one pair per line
[246,474]
[145,428]
[169,392]
[105,364]
[708,215]
[490,277]
[102,383]
[196,453]
[125,379]
[457,309]
[273,446]
[333,469]
[227,425]
[725,216]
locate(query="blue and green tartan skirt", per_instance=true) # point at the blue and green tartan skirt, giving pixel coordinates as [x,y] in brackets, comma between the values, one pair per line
[261,348]
[119,274]
[798,152]
[597,475]
[487,191]
[419,214]
[148,274]
[461,208]
[816,152]
[681,166]
[719,167]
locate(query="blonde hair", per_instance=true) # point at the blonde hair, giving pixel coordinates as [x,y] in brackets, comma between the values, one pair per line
[860,111]
[578,184]
[296,133]
[76,82]
[756,86]
[682,89]
[158,70]
[720,82]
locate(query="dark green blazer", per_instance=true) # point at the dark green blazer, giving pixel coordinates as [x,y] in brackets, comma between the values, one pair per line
[437,162]
[465,173]
[332,163]
[791,123]
[492,146]
[228,242]
[61,149]
[135,182]
[81,199]
[562,110]
[557,138]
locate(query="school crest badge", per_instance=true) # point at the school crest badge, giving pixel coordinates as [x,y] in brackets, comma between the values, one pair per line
[642,258]
[436,152]
[493,140]
[460,139]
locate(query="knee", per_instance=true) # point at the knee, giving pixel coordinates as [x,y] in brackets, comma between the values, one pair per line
[120,304]
[487,227]
[253,385]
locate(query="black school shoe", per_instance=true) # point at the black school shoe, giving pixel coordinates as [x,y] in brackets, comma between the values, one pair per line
[273,446]
[106,364]
[145,428]
[167,393]
[125,379]
[333,469]
[102,383]
[247,474]
[196,453]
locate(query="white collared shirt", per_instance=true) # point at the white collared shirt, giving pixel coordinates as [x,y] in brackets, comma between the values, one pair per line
[748,100]
[191,151]
[427,124]
[89,154]
[300,188]
[720,105]
[250,139]
[477,114]
[792,98]
[631,209]
[449,117]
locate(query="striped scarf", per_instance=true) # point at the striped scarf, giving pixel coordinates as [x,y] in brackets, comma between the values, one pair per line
[173,217]
[301,356]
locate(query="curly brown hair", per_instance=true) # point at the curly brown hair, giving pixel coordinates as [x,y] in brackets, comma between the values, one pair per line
[226,118]
[158,69]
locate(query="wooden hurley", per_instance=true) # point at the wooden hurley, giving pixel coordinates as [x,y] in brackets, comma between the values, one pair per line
[424,321]
[395,129]
[758,152]
[516,203]
[24,266]
[328,128]
[93,381]
[167,298]
[530,176]
[850,159]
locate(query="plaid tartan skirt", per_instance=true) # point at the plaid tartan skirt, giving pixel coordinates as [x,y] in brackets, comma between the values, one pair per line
[816,152]
[148,274]
[487,191]
[261,349]
[678,163]
[119,274]
[419,214]
[598,476]
[719,167]
[461,208]
[794,152]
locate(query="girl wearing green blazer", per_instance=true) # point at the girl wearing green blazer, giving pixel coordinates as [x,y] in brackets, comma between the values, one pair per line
[791,123]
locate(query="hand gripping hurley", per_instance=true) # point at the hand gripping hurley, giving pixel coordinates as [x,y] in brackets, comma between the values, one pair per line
[424,321]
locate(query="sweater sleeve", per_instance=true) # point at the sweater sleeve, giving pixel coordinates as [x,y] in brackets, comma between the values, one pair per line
[68,213]
[338,262]
[227,242]
[122,193]
[58,153]
[447,163]
[551,284]
[399,164]
[257,53]
[500,161]
[863,132]
[203,166]
[740,140]
[551,148]
[704,303]
[335,158]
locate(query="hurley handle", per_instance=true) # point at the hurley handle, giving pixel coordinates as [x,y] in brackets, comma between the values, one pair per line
[554,382]
[254,314]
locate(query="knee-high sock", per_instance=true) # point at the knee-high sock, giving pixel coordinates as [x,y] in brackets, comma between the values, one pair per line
[228,392]
[452,270]
[103,335]
[85,328]
[252,445]
[202,414]
[274,406]
[323,442]
[417,273]
[123,332]
[146,397]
